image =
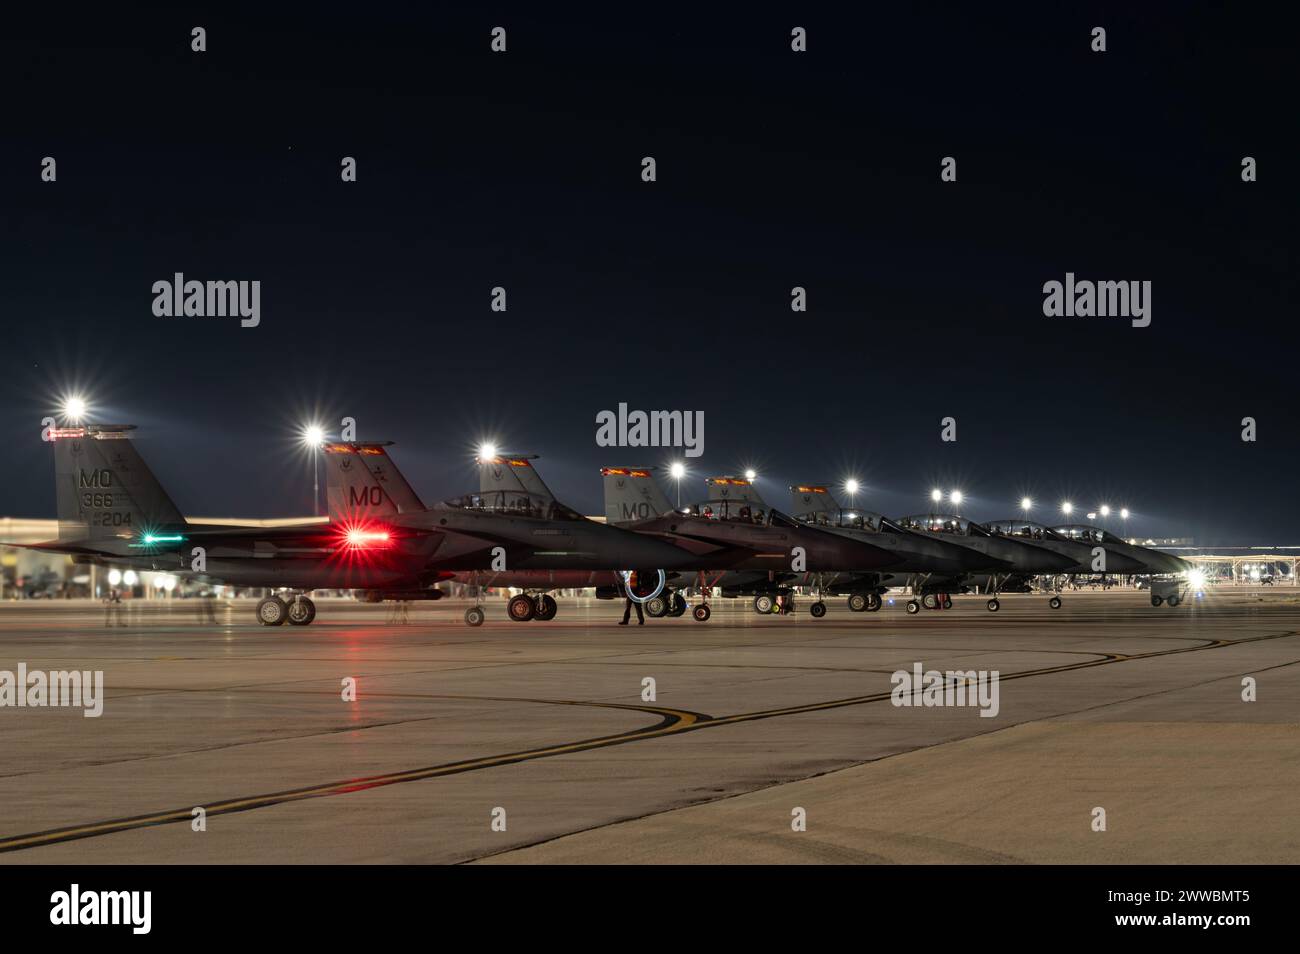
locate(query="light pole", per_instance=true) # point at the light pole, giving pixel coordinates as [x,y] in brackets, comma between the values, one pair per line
[313,436]
[678,470]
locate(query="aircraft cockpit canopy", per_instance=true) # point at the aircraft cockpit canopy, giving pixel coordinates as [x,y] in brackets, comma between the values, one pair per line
[515,503]
[941,523]
[735,511]
[1021,529]
[1085,534]
[849,519]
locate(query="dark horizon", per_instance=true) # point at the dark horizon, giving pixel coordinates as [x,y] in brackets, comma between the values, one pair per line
[775,170]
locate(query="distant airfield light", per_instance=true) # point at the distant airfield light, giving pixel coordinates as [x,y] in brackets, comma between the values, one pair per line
[750,475]
[678,470]
[1123,513]
[487,451]
[851,486]
[114,577]
[1196,578]
[936,495]
[130,578]
[74,409]
[313,435]
[1067,508]
[1105,510]
[957,497]
[1092,515]
[1026,504]
[168,582]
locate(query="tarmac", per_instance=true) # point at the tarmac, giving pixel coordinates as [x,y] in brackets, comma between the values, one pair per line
[1123,734]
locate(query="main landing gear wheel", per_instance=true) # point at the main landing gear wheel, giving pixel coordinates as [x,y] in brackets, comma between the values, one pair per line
[521,608]
[930,601]
[679,605]
[702,613]
[913,607]
[818,610]
[874,602]
[947,602]
[272,611]
[301,611]
[763,604]
[1054,602]
[1156,600]
[546,607]
[994,605]
[857,603]
[656,607]
[474,616]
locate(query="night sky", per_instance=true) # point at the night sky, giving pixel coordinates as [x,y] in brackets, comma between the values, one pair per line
[775,169]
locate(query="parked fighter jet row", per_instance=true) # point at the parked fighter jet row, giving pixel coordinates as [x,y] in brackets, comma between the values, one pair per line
[382,540]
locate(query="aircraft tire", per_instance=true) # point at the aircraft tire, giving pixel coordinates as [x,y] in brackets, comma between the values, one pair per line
[763,604]
[874,602]
[1173,600]
[994,605]
[657,607]
[679,606]
[947,602]
[474,616]
[930,601]
[546,607]
[272,611]
[818,610]
[1054,602]
[301,612]
[913,607]
[1156,600]
[858,603]
[702,613]
[521,608]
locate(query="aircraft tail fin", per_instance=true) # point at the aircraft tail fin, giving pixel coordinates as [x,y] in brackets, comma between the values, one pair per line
[361,481]
[632,494]
[740,489]
[513,475]
[103,487]
[812,498]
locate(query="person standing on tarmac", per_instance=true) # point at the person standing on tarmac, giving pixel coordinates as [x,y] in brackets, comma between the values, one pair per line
[630,587]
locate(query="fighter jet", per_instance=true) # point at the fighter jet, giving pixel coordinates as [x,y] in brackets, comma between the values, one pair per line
[929,565]
[513,532]
[740,544]
[1025,559]
[1153,562]
[112,510]
[1100,555]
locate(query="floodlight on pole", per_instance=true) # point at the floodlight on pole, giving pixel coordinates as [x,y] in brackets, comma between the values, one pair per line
[678,471]
[313,435]
[74,408]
